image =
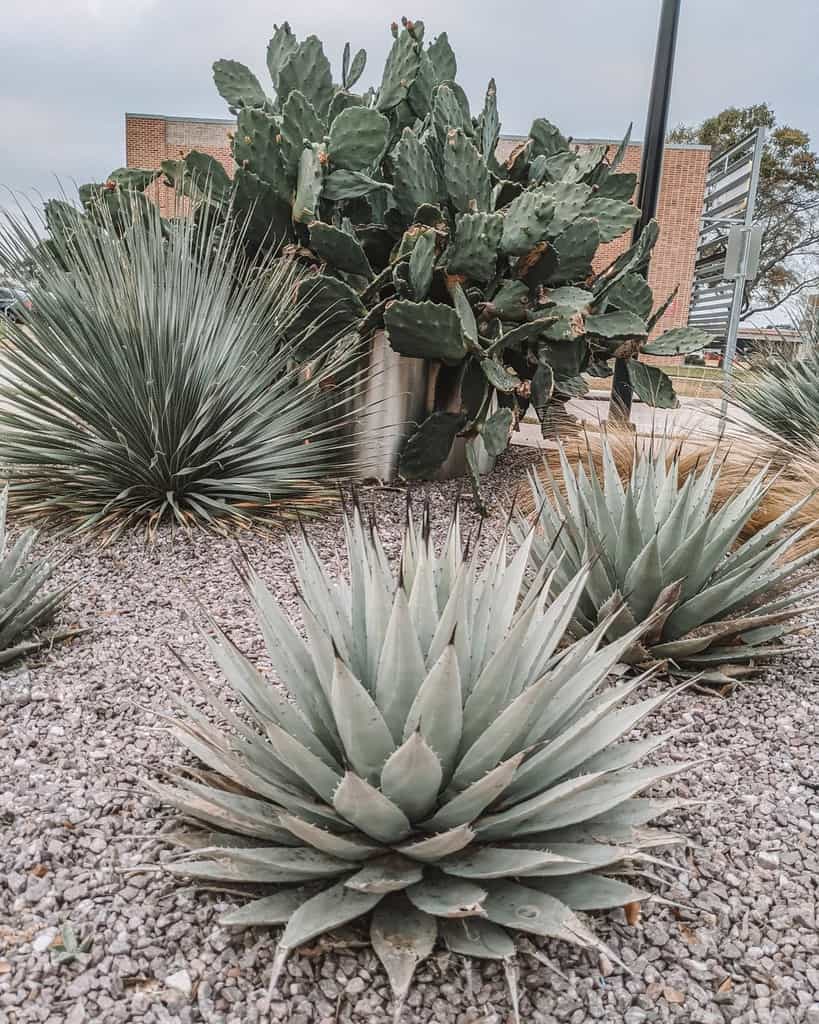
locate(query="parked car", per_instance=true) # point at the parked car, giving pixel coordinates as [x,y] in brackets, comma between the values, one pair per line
[12,302]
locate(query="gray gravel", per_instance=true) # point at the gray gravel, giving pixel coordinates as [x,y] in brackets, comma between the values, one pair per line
[80,727]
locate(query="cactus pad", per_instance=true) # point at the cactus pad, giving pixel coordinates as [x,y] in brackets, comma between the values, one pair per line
[576,247]
[466,174]
[414,174]
[546,138]
[358,138]
[428,448]
[309,183]
[282,44]
[400,70]
[618,186]
[237,85]
[307,70]
[612,215]
[632,293]
[474,250]
[525,221]
[422,264]
[443,58]
[425,330]
[329,308]
[340,249]
[300,124]
[621,324]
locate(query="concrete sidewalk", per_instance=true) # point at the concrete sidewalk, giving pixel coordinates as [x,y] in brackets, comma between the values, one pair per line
[696,416]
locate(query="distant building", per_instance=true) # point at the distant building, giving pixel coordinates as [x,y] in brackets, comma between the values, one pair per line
[152,138]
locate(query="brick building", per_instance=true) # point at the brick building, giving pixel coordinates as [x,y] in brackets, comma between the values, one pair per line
[152,138]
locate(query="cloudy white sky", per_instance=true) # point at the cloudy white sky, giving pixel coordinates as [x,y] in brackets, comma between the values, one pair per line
[70,68]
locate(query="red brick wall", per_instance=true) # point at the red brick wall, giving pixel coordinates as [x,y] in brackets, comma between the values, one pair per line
[150,139]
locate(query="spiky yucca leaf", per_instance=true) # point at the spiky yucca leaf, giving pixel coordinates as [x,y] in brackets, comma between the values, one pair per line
[438,747]
[662,549]
[23,606]
[784,398]
[152,380]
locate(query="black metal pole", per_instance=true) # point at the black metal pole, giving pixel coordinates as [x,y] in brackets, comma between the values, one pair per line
[648,188]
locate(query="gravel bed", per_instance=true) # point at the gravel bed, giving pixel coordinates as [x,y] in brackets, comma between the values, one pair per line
[80,727]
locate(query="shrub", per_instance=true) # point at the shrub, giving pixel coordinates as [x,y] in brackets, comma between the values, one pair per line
[661,549]
[23,608]
[151,380]
[435,756]
[784,398]
[397,202]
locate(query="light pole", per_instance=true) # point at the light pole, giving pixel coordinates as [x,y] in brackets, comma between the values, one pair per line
[648,189]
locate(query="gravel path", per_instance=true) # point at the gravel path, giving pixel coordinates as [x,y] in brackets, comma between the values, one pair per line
[79,728]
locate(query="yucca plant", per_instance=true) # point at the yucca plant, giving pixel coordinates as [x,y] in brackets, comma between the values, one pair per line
[151,380]
[660,548]
[435,754]
[784,398]
[23,605]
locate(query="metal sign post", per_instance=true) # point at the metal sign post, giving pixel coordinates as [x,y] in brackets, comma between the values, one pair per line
[728,250]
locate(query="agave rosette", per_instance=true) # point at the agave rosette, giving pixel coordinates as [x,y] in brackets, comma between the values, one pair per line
[659,548]
[437,755]
[23,605]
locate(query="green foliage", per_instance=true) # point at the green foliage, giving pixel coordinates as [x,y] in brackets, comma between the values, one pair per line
[784,398]
[440,754]
[398,196]
[154,379]
[23,608]
[664,555]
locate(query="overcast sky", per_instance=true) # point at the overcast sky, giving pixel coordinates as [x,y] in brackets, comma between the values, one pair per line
[69,69]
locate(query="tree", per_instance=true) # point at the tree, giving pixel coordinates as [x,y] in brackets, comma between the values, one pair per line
[787,202]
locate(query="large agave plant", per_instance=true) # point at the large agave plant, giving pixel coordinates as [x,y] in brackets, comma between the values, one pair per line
[660,549]
[23,606]
[436,755]
[151,380]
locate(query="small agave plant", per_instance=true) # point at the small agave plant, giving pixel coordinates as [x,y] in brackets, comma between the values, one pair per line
[658,548]
[23,608]
[436,756]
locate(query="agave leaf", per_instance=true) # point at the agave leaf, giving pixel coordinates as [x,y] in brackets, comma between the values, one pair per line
[594,795]
[369,810]
[433,848]
[366,737]
[340,846]
[503,734]
[589,892]
[321,779]
[245,815]
[498,862]
[423,603]
[275,909]
[518,906]
[447,897]
[402,936]
[387,874]
[401,668]
[479,938]
[321,913]
[594,731]
[437,709]
[412,777]
[467,805]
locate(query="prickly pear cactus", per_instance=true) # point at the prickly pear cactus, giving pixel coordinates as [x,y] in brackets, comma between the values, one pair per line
[396,200]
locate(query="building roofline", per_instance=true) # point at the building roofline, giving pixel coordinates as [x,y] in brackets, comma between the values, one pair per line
[186,120]
[504,136]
